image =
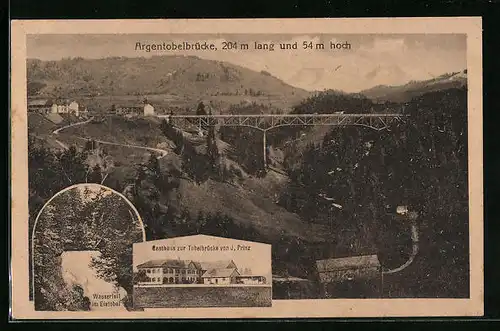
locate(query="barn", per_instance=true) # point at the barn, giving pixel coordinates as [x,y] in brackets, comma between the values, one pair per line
[220,276]
[356,276]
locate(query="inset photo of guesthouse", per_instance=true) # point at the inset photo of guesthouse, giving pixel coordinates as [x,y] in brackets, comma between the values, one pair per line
[202,271]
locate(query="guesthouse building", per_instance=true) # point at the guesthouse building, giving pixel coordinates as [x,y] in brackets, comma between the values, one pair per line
[223,272]
[169,272]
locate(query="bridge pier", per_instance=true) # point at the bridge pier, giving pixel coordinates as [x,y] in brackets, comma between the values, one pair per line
[264,149]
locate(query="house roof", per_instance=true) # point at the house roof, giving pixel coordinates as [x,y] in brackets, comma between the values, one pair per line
[354,262]
[164,263]
[39,102]
[134,106]
[221,264]
[219,273]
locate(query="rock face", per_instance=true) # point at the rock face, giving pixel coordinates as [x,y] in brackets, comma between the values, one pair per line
[103,295]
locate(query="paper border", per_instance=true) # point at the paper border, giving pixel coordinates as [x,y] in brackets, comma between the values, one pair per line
[22,308]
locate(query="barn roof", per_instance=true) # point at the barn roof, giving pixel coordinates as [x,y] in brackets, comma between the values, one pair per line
[354,262]
[221,264]
[219,273]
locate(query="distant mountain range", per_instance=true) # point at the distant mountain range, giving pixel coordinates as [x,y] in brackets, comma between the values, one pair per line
[172,78]
[404,93]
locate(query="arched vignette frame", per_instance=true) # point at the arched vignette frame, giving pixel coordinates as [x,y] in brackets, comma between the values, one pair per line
[32,260]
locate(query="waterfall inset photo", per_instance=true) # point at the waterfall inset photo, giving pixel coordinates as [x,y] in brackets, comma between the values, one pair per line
[82,250]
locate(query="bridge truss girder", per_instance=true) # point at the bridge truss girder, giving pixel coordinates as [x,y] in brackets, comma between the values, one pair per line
[264,123]
[267,122]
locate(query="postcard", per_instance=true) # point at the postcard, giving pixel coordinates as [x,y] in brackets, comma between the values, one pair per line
[246,168]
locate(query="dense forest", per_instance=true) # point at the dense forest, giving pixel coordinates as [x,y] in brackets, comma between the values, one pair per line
[187,76]
[355,178]
[83,218]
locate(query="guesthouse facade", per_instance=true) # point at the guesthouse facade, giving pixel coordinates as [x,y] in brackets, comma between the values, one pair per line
[169,272]
[224,272]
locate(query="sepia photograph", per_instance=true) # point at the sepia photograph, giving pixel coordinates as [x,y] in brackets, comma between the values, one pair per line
[347,153]
[329,162]
[82,250]
[202,271]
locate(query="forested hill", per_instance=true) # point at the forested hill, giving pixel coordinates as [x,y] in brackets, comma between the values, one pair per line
[405,93]
[184,76]
[355,177]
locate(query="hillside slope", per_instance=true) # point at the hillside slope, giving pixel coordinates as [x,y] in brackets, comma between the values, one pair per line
[250,201]
[164,79]
[405,93]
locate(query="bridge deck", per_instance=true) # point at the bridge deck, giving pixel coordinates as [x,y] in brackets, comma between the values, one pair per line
[266,122]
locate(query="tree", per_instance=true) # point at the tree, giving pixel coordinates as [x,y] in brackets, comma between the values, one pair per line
[200,110]
[84,220]
[140,276]
[212,149]
[421,163]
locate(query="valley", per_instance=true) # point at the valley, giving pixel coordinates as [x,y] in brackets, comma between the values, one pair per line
[327,193]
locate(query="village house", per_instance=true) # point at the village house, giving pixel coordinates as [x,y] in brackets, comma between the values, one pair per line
[144,109]
[66,107]
[45,106]
[356,276]
[41,106]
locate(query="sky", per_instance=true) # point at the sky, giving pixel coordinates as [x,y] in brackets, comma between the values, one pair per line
[371,59]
